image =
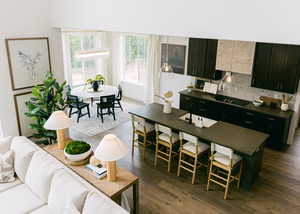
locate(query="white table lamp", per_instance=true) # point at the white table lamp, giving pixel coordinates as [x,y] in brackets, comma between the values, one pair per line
[59,121]
[110,150]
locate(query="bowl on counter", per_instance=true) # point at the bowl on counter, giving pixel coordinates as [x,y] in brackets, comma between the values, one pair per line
[257,102]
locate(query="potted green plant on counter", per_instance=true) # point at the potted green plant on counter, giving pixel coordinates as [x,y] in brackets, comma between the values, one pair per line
[96,82]
[77,150]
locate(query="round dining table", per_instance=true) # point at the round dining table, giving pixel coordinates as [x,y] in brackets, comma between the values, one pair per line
[87,92]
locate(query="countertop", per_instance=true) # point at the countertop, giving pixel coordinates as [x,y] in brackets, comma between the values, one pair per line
[261,109]
[240,139]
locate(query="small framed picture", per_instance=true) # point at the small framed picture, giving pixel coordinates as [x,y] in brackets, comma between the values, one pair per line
[22,119]
[176,56]
[29,61]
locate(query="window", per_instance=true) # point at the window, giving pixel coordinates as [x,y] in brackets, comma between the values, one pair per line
[81,70]
[135,58]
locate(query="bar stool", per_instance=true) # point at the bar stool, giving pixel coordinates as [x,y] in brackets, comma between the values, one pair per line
[141,128]
[223,158]
[192,148]
[165,142]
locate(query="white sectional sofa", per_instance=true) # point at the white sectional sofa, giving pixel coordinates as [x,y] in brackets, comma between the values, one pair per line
[45,186]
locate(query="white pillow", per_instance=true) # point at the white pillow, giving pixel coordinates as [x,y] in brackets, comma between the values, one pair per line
[7,167]
[40,173]
[102,204]
[71,209]
[23,152]
[64,188]
[5,144]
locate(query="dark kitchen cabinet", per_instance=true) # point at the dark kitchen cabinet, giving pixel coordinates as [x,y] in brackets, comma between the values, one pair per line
[276,67]
[276,126]
[202,57]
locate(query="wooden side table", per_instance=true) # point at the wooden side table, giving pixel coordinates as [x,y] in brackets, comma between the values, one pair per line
[114,189]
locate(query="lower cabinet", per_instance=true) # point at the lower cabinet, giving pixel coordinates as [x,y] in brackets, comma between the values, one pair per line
[275,126]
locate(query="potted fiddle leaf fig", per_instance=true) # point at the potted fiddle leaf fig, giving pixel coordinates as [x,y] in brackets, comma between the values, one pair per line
[45,99]
[96,82]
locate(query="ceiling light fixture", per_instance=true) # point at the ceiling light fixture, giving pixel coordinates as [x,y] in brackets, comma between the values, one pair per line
[166,66]
[90,54]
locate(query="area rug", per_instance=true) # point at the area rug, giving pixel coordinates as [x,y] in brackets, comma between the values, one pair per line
[93,126]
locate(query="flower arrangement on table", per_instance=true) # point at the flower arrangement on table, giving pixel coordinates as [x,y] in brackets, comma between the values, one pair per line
[167,102]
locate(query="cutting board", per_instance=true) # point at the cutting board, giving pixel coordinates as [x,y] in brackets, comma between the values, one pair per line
[270,101]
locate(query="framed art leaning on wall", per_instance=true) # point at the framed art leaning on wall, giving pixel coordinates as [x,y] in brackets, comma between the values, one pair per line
[29,61]
[22,119]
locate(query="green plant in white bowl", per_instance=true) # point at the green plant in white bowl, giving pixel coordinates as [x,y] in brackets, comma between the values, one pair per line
[77,150]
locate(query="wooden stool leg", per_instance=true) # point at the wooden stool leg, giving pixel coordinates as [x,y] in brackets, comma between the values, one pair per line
[209,175]
[156,152]
[133,141]
[144,147]
[179,163]
[170,156]
[227,185]
[240,174]
[194,170]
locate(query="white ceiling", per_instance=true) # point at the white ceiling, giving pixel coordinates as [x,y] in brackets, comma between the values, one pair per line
[252,20]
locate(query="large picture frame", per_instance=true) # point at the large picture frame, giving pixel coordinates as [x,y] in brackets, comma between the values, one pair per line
[176,56]
[28,60]
[22,119]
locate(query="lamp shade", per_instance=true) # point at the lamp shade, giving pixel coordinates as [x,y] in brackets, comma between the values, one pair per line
[57,121]
[111,148]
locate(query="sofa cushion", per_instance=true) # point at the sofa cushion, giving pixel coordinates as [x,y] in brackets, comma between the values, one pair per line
[40,173]
[6,186]
[19,199]
[102,204]
[23,152]
[64,188]
[5,144]
[7,167]
[71,209]
[42,210]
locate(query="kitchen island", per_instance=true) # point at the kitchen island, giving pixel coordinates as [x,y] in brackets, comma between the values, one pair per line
[246,142]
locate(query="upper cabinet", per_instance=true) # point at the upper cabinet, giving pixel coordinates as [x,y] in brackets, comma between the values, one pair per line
[202,57]
[235,56]
[276,67]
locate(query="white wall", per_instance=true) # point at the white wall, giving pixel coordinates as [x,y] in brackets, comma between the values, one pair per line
[252,20]
[28,18]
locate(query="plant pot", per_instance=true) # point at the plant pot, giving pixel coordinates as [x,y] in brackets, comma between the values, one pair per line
[95,86]
[78,157]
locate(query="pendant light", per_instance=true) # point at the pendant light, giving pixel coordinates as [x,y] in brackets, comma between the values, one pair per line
[166,66]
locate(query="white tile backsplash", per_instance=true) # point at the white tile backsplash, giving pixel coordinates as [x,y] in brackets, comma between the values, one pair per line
[239,87]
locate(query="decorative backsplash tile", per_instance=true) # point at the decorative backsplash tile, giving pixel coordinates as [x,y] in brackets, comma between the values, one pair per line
[239,87]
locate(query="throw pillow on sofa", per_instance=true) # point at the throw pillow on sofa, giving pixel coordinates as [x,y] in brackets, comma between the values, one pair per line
[71,209]
[7,167]
[40,173]
[5,144]
[23,151]
[64,188]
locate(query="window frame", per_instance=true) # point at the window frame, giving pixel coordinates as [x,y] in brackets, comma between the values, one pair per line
[140,81]
[67,52]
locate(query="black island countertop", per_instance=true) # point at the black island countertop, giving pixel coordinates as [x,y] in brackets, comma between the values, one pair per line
[240,139]
[276,112]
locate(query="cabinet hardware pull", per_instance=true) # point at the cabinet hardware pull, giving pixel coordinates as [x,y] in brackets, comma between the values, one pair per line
[248,122]
[270,118]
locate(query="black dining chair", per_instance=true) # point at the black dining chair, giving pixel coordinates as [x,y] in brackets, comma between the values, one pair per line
[75,103]
[119,98]
[106,103]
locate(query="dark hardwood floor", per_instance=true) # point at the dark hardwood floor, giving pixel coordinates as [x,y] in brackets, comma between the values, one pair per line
[276,191]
